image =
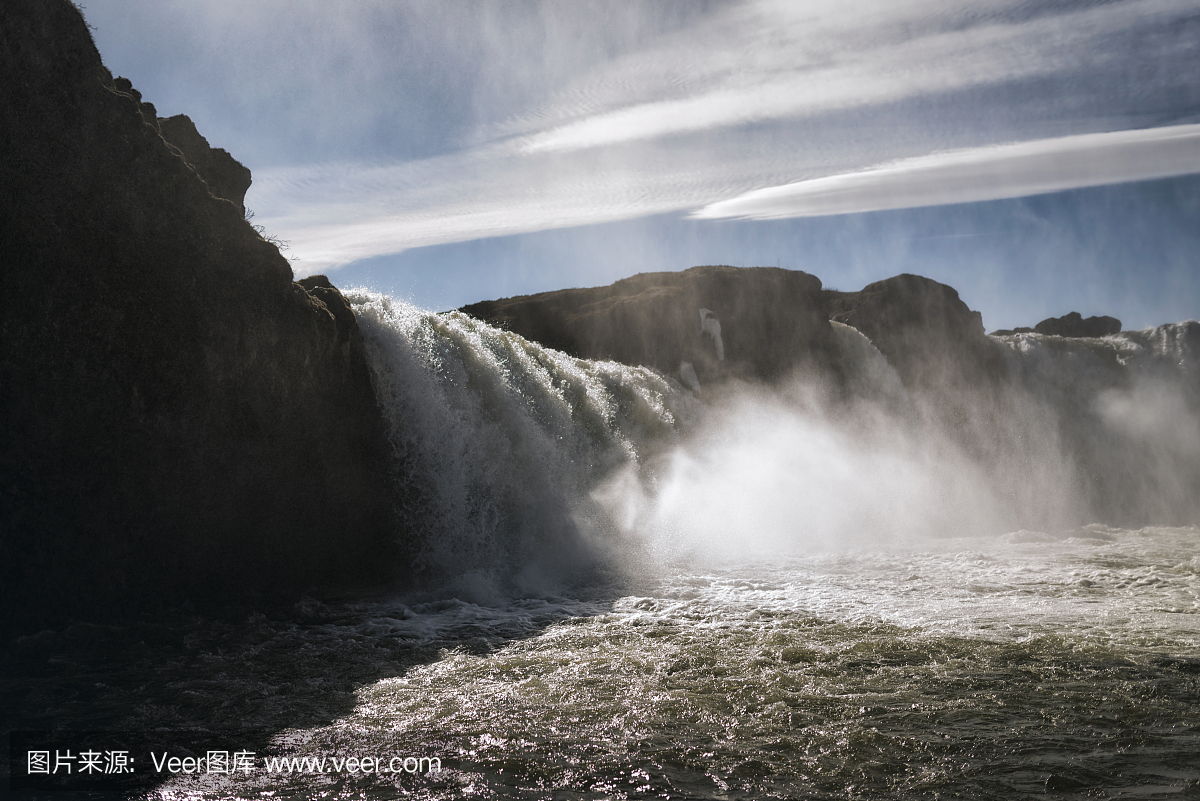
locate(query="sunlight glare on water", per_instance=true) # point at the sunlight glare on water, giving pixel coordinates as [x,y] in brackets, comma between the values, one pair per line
[982,666]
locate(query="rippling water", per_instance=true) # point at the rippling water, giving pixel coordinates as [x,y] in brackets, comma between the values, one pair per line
[982,668]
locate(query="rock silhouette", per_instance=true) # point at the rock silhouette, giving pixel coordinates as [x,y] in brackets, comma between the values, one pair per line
[182,422]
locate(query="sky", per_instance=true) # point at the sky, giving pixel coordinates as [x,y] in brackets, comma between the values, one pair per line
[1039,156]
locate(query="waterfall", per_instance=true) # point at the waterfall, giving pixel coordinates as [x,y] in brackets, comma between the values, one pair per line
[499,440]
[519,467]
[1126,408]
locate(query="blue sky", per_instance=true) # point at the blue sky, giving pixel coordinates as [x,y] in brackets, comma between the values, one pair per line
[1040,157]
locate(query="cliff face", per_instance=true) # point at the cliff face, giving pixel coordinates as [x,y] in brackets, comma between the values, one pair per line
[771,321]
[1069,325]
[725,322]
[181,420]
[225,176]
[924,329]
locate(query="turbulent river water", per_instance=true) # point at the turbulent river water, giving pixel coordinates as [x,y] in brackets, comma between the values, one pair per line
[629,589]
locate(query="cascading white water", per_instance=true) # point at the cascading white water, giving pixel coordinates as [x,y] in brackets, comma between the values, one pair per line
[500,441]
[521,465]
[1126,408]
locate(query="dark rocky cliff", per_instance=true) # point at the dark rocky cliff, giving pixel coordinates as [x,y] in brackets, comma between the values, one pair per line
[181,421]
[772,321]
[1069,325]
[769,321]
[226,177]
[775,323]
[924,330]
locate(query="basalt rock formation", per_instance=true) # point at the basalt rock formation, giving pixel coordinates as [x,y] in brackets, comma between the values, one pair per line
[225,176]
[1069,325]
[923,328]
[758,323]
[181,421]
[1073,325]
[722,321]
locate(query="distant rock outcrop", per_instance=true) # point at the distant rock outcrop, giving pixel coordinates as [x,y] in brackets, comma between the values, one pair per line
[923,328]
[755,322]
[181,421]
[759,322]
[1069,325]
[1073,325]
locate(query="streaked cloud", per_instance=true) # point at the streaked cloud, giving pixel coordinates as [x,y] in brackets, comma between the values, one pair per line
[771,60]
[987,173]
[805,97]
[336,214]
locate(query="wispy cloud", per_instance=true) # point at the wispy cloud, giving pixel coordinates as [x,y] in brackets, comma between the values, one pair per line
[802,97]
[773,60]
[987,173]
[336,214]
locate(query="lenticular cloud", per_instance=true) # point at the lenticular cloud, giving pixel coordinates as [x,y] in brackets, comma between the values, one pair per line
[988,173]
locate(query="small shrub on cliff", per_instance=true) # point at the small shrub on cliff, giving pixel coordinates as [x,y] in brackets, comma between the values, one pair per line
[281,244]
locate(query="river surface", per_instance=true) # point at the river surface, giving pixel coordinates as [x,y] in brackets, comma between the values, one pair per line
[984,668]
